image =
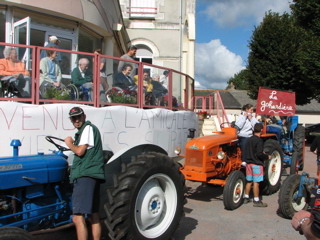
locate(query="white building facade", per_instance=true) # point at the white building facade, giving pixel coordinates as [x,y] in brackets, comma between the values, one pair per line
[163,31]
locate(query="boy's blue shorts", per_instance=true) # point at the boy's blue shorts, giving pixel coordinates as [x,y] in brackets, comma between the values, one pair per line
[254,173]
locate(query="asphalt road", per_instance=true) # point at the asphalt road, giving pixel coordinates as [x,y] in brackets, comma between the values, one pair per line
[206,219]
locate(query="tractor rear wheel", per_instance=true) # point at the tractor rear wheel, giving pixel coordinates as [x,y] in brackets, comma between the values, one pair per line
[298,147]
[288,203]
[294,163]
[272,167]
[233,190]
[146,201]
[10,233]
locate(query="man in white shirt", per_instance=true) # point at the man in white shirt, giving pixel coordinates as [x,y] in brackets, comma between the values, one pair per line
[87,172]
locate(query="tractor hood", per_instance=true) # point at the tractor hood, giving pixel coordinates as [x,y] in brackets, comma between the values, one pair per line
[24,171]
[227,135]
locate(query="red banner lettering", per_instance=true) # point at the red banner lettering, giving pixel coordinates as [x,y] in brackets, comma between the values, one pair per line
[274,102]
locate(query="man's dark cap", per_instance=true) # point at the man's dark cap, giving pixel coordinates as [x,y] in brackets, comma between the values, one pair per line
[75,111]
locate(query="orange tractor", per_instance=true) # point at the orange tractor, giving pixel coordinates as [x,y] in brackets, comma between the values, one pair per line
[216,159]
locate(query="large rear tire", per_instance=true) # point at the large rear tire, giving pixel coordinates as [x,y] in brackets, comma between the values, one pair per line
[294,163]
[288,203]
[272,167]
[146,201]
[298,147]
[233,190]
[14,233]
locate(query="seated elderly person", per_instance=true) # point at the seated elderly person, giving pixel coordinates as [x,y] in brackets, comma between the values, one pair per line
[81,76]
[123,79]
[50,73]
[158,89]
[12,69]
[149,88]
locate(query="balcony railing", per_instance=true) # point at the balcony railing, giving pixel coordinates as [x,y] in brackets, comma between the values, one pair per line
[142,9]
[149,88]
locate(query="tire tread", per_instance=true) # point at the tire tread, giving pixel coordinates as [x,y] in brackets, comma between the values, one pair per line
[117,208]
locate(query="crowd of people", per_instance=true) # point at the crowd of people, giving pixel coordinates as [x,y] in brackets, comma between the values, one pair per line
[155,88]
[127,79]
[14,72]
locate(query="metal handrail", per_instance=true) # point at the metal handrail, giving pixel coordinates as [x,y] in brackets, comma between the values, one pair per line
[96,60]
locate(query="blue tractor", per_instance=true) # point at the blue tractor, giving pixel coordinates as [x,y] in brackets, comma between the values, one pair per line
[291,137]
[284,141]
[34,192]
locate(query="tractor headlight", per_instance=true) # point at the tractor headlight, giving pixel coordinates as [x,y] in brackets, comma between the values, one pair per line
[221,155]
[177,150]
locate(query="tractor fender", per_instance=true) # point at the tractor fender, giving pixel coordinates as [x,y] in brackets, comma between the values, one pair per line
[125,155]
[136,150]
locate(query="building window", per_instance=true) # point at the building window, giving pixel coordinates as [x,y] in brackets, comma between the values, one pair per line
[88,41]
[144,54]
[142,9]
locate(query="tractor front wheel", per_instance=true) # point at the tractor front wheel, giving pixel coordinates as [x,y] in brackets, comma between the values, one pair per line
[147,199]
[10,233]
[288,201]
[233,190]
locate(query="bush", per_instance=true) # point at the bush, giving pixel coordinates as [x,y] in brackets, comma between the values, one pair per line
[57,93]
[123,99]
[122,96]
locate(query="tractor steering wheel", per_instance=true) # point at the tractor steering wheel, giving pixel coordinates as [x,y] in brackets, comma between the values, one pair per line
[222,125]
[60,147]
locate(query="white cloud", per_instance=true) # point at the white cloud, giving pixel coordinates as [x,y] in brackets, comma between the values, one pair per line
[215,65]
[243,12]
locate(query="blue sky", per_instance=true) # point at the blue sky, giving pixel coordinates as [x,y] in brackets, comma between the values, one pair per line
[223,31]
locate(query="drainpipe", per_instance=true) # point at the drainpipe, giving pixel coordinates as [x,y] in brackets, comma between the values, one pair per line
[180,49]
[180,40]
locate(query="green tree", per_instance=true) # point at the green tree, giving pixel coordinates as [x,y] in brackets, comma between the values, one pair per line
[307,13]
[240,80]
[277,55]
[307,62]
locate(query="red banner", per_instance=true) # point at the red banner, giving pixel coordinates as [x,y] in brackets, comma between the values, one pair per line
[276,103]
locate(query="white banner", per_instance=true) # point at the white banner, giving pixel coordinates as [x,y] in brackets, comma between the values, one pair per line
[120,126]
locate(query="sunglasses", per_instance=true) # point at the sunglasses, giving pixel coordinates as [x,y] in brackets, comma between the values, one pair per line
[75,118]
